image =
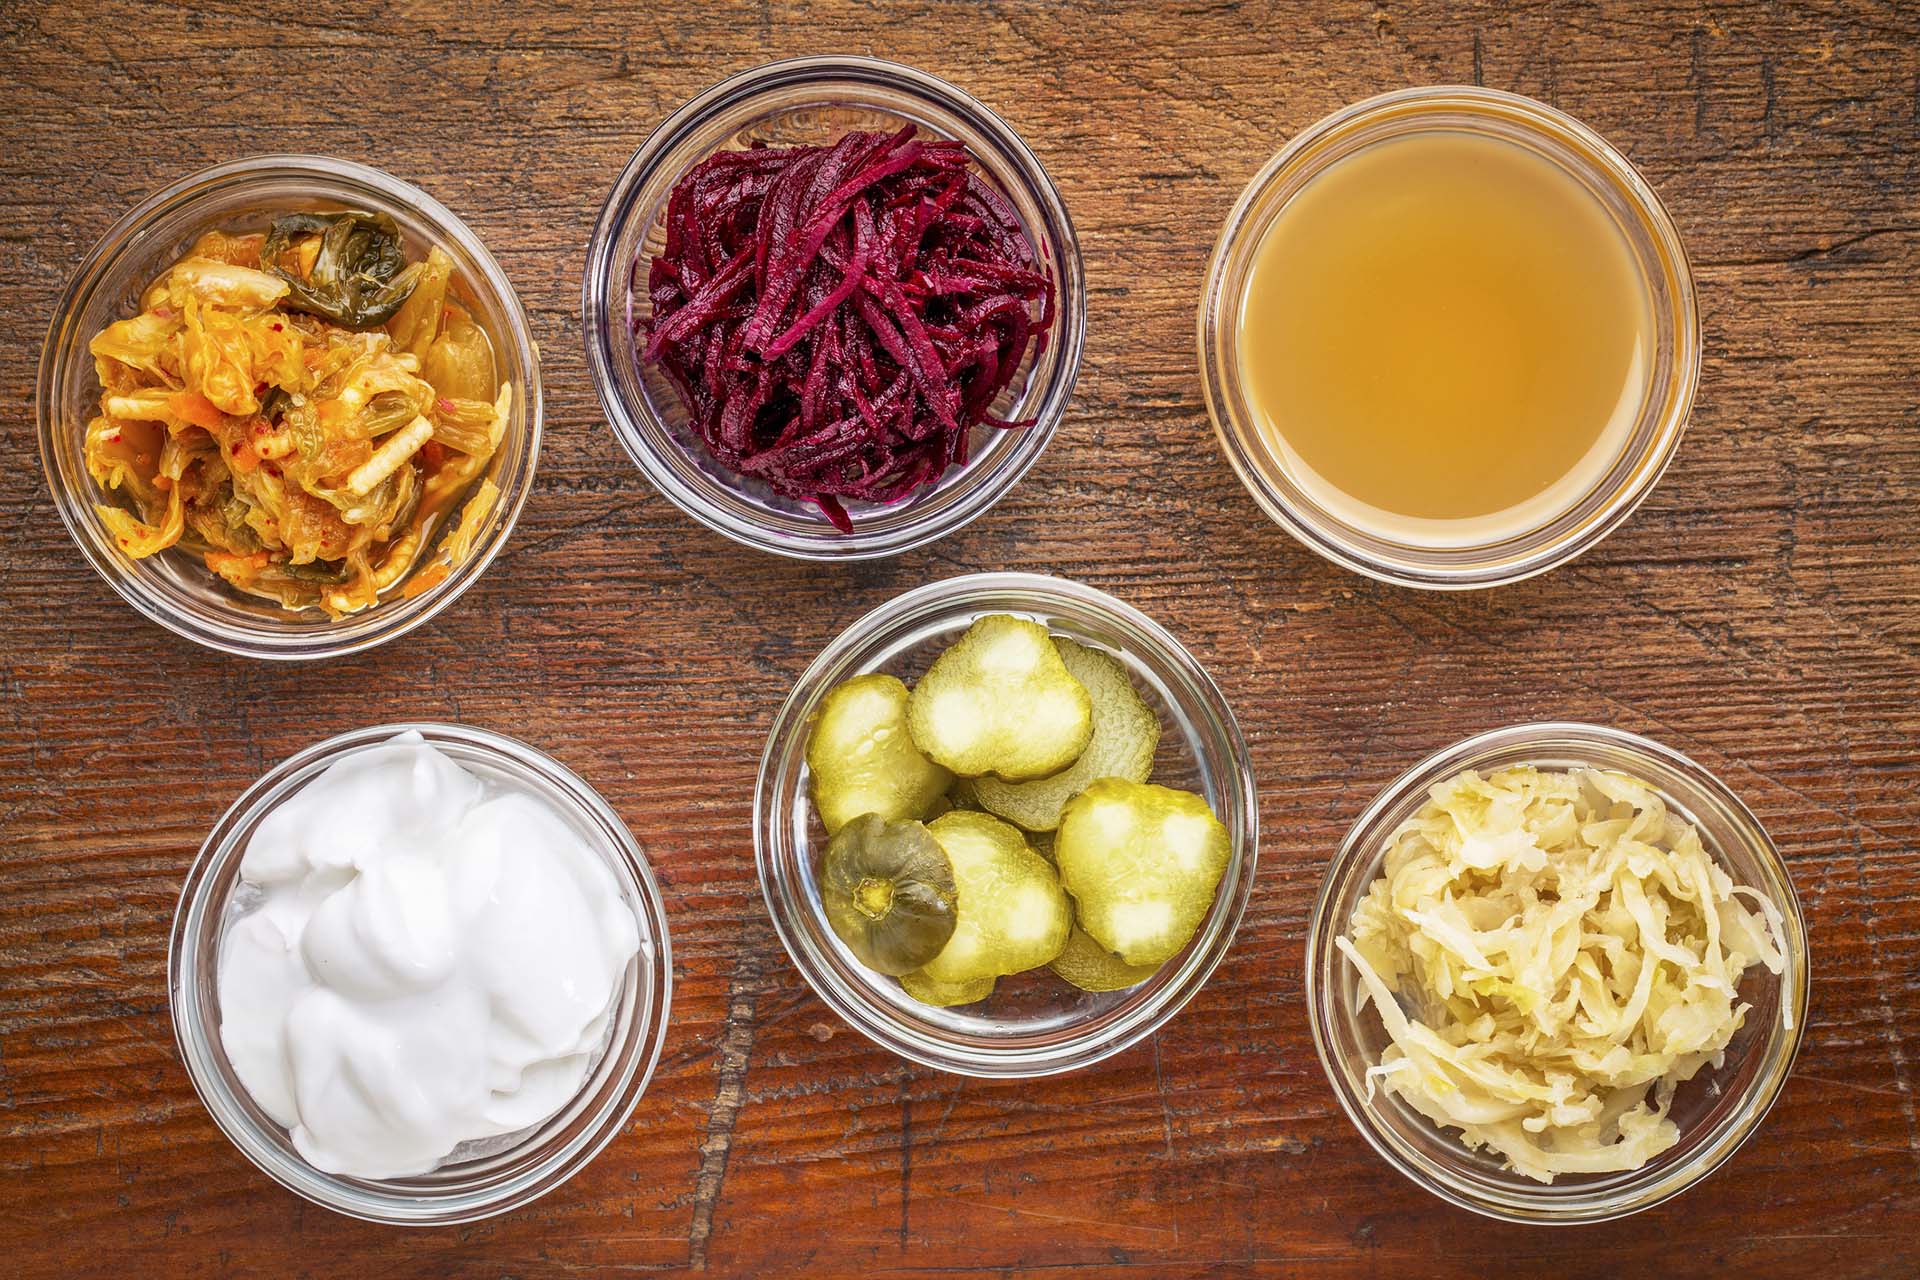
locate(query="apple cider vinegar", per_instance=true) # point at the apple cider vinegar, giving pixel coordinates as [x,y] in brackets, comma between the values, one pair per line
[1445,338]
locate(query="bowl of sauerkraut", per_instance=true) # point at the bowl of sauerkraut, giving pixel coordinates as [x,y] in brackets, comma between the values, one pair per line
[289,407]
[1557,973]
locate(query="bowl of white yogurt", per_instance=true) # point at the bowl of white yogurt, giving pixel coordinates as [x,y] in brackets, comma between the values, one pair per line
[420,974]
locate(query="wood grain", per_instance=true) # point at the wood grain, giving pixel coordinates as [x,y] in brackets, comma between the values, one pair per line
[1762,612]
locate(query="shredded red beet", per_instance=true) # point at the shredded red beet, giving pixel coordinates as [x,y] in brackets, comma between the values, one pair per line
[838,319]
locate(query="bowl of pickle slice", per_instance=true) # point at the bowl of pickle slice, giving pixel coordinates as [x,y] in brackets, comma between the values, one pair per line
[1005,825]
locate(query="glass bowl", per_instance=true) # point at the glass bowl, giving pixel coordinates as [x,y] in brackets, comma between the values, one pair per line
[483,1178]
[807,101]
[1716,1111]
[1665,277]
[1034,1024]
[174,588]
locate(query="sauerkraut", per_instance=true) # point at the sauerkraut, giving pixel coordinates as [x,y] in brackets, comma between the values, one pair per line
[1551,955]
[302,410]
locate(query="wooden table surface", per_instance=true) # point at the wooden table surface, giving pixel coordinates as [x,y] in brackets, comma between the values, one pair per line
[1761,612]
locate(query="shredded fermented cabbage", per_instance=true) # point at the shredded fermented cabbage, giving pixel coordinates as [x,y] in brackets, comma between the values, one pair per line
[303,460]
[1552,954]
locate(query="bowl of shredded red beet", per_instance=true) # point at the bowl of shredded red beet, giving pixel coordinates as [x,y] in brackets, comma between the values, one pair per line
[834,308]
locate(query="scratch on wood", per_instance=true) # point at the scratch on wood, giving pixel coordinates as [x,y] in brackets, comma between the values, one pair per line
[1848,242]
[1890,1028]
[730,1072]
[1697,81]
[1104,1225]
[1166,1107]
[906,1155]
[1855,1085]
[953,1098]
[1479,71]
[1769,115]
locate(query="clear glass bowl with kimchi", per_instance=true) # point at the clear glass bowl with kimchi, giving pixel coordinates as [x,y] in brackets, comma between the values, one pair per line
[290,407]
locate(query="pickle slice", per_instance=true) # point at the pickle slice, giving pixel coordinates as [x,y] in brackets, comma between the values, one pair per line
[1125,734]
[1091,967]
[888,890]
[862,758]
[1001,701]
[945,994]
[1013,915]
[1142,863]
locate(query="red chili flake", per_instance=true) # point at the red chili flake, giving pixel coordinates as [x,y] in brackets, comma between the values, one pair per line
[838,319]
[444,405]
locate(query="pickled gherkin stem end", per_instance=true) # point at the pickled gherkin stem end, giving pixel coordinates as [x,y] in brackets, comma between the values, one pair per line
[874,897]
[888,891]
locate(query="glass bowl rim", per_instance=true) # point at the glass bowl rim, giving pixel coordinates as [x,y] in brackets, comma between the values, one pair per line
[199,1045]
[1514,557]
[1654,1183]
[633,424]
[1201,698]
[233,633]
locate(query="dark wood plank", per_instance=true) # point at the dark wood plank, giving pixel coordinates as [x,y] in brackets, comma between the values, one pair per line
[1761,612]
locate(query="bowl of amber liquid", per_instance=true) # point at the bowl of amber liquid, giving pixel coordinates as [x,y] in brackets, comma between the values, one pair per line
[1449,338]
